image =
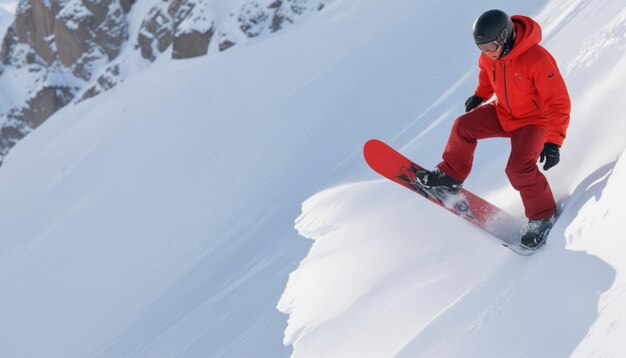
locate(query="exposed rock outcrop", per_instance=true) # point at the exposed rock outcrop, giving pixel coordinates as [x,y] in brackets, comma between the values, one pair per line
[186,25]
[45,102]
[156,33]
[34,25]
[191,44]
[109,79]
[88,31]
[194,31]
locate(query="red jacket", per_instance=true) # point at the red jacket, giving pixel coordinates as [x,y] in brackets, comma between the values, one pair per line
[528,85]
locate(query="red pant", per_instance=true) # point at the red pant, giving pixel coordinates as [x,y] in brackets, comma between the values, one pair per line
[526,145]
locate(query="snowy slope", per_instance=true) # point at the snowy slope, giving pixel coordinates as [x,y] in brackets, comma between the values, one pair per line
[391,275]
[156,220]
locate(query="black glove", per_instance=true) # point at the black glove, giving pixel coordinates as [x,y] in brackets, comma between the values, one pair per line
[472,103]
[550,154]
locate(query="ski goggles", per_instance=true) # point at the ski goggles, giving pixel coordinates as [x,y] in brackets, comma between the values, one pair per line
[492,46]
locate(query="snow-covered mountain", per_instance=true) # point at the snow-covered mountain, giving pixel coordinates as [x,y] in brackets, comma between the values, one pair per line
[153,214]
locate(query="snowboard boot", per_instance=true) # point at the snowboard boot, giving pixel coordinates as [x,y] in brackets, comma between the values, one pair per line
[537,233]
[438,180]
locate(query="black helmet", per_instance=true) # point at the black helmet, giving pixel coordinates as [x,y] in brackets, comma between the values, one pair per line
[494,28]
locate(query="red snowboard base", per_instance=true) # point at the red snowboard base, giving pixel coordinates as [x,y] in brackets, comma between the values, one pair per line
[391,164]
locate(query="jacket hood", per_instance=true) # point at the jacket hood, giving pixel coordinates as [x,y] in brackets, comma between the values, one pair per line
[527,35]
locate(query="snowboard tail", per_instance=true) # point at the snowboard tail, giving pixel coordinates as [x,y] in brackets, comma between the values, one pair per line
[391,164]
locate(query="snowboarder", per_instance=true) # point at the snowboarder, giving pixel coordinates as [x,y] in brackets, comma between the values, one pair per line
[532,108]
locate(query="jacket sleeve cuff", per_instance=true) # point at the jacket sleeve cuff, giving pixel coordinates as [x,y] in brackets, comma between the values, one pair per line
[555,138]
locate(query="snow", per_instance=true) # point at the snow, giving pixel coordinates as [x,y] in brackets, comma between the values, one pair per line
[73,14]
[201,19]
[157,219]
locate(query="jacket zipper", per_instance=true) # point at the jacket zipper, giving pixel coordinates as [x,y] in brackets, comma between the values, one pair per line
[506,92]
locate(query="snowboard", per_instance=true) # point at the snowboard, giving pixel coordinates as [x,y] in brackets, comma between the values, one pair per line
[389,163]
